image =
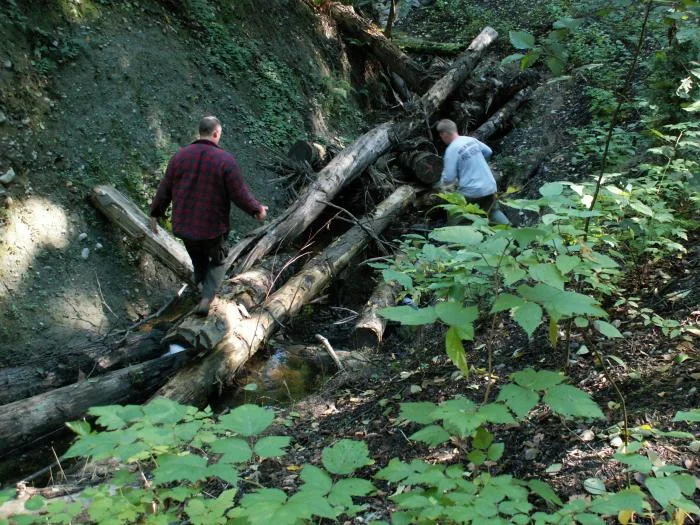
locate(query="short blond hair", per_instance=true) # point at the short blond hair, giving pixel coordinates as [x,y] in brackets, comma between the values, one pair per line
[446,126]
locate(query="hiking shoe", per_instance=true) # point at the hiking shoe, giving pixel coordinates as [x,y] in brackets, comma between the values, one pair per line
[203,307]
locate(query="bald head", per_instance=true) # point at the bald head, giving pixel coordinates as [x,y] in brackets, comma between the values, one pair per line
[210,129]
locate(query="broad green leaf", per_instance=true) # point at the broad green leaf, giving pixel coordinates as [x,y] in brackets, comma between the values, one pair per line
[624,500]
[537,380]
[512,274]
[272,446]
[518,399]
[572,24]
[432,435]
[635,462]
[420,412]
[522,39]
[401,278]
[409,316]
[234,450]
[495,451]
[495,413]
[304,504]
[34,503]
[346,456]
[247,420]
[515,57]
[463,235]
[547,273]
[115,417]
[458,416]
[664,490]
[345,489]
[551,189]
[477,457]
[594,486]
[691,416]
[316,479]
[526,236]
[560,303]
[455,350]
[581,322]
[528,316]
[171,467]
[454,314]
[482,438]
[569,401]
[607,329]
[165,411]
[80,427]
[224,471]
[506,301]
[544,491]
[566,263]
[397,470]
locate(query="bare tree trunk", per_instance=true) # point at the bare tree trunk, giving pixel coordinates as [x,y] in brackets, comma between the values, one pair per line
[32,418]
[119,209]
[194,384]
[390,20]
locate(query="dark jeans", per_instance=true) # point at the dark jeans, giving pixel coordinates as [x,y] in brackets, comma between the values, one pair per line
[208,256]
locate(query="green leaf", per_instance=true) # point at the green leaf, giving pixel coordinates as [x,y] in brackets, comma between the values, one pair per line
[594,486]
[522,39]
[569,401]
[636,462]
[496,413]
[80,427]
[537,380]
[463,235]
[518,399]
[566,263]
[34,503]
[560,303]
[165,411]
[572,24]
[454,314]
[607,329]
[664,490]
[115,417]
[455,350]
[346,456]
[247,420]
[544,491]
[547,273]
[458,416]
[512,58]
[495,451]
[528,316]
[400,277]
[316,479]
[420,412]
[482,438]
[624,500]
[397,470]
[272,446]
[188,467]
[506,301]
[551,189]
[477,457]
[692,416]
[234,450]
[432,435]
[409,316]
[224,471]
[345,489]
[251,387]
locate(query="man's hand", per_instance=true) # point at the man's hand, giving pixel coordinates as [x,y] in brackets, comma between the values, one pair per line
[153,223]
[261,214]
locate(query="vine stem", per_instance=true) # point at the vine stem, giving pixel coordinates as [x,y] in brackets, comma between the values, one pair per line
[489,341]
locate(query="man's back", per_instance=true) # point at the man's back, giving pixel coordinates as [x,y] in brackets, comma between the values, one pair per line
[202,180]
[465,162]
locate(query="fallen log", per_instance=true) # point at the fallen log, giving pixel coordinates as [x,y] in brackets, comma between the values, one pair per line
[387,52]
[423,165]
[500,120]
[428,47]
[352,161]
[369,328]
[24,421]
[29,380]
[194,384]
[119,209]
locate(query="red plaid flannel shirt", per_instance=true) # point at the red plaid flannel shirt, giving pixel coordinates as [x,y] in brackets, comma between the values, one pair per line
[201,181]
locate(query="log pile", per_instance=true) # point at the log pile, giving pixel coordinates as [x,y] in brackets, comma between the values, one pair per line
[252,305]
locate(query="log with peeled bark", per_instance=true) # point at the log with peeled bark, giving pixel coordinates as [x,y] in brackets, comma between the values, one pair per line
[24,421]
[194,384]
[386,51]
[24,381]
[355,159]
[119,209]
[369,328]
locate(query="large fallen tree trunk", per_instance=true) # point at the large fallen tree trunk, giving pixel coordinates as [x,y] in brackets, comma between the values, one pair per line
[20,382]
[501,119]
[352,161]
[119,209]
[383,48]
[32,418]
[194,384]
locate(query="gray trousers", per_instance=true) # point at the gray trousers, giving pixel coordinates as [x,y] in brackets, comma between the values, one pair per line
[208,256]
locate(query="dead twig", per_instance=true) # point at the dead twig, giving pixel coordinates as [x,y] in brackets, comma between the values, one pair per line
[327,345]
[102,297]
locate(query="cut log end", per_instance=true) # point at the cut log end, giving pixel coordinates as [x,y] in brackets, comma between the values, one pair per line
[367,338]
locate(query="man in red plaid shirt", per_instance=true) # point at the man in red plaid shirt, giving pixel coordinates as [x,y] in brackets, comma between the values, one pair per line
[201,181]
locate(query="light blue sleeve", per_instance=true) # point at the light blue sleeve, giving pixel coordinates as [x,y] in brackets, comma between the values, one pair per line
[449,168]
[485,150]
